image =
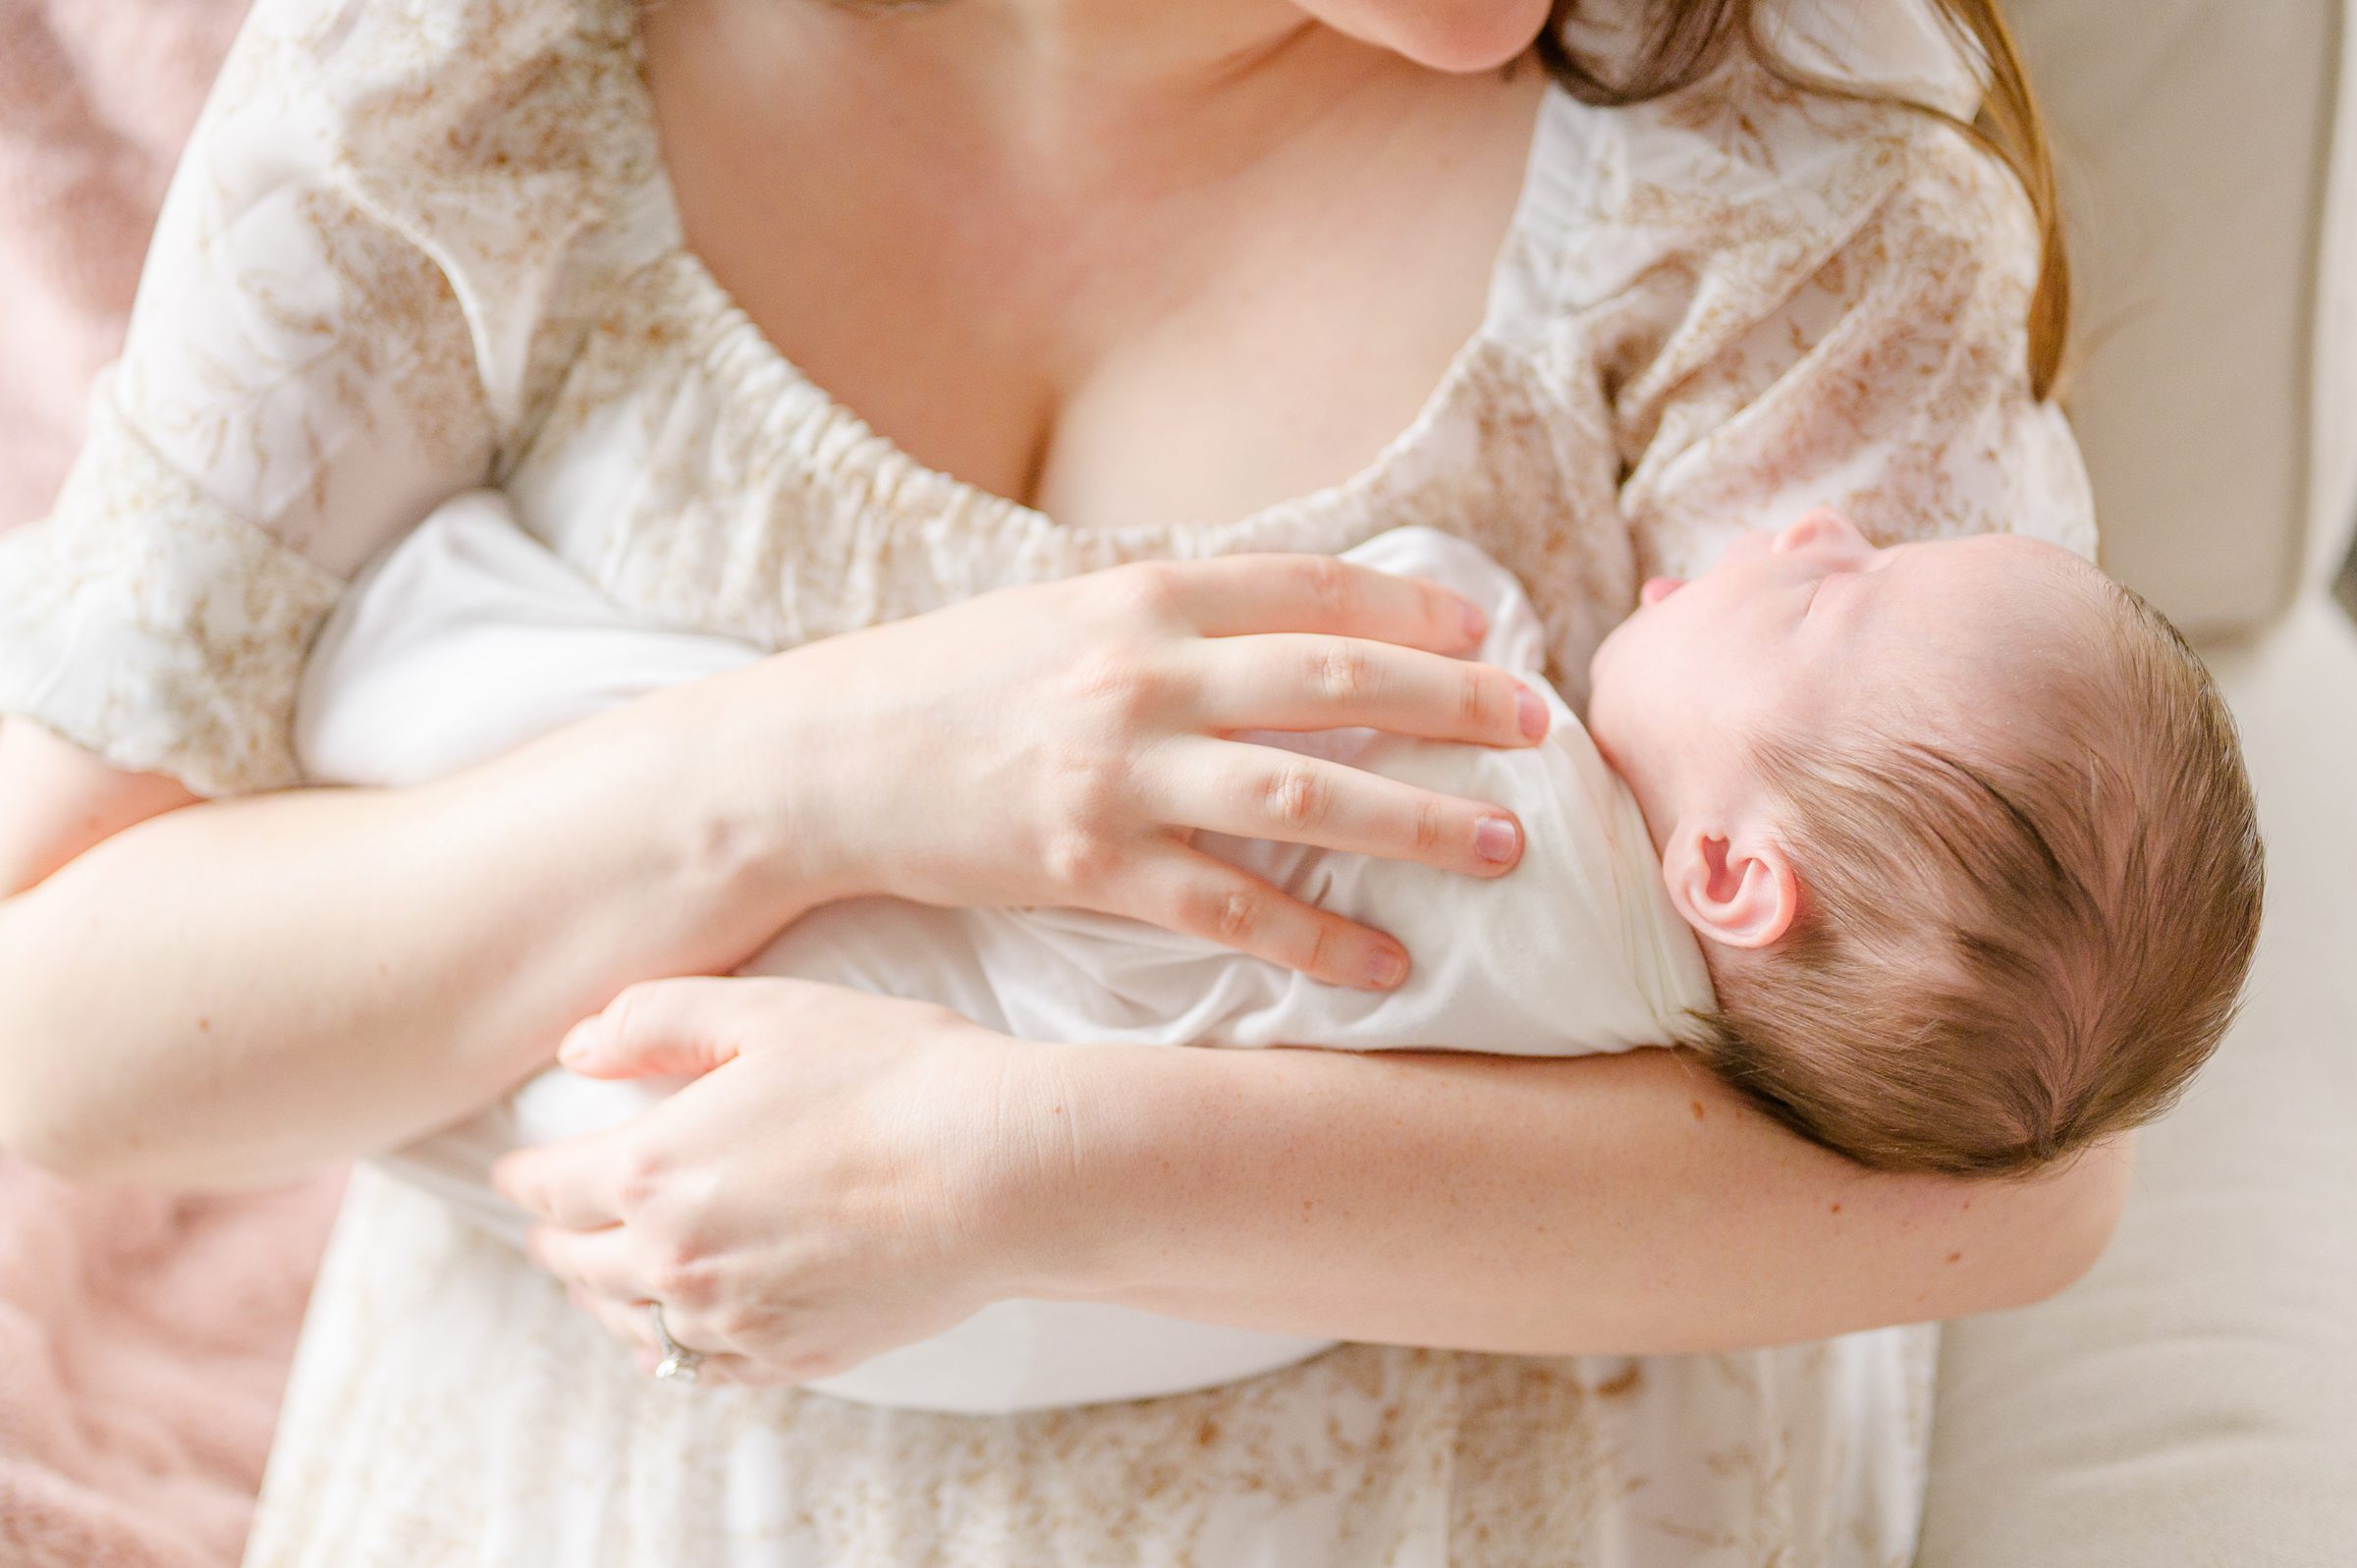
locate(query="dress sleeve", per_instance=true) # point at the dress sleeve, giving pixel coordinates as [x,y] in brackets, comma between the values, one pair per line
[298,385]
[1864,347]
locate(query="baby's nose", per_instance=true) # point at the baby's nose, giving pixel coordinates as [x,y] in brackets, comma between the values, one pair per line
[1818,526]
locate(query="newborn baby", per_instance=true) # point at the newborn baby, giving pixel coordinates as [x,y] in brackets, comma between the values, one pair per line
[1956,871]
[1965,830]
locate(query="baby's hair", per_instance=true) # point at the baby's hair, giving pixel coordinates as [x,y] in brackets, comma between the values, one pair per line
[2007,950]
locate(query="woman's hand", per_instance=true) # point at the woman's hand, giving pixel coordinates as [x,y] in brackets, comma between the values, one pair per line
[835,1186]
[1058,744]
[854,1173]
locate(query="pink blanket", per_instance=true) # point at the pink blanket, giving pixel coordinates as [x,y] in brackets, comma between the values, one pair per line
[95,98]
[144,1337]
[143,1347]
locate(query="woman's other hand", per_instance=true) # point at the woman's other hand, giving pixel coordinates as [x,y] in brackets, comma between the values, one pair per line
[1058,744]
[838,1182]
[852,1174]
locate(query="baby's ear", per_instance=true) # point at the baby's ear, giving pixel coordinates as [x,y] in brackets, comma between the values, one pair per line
[1735,887]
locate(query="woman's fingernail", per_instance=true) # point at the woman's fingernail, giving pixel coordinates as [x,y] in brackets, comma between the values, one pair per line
[1493,840]
[1477,624]
[1531,714]
[1386,966]
[578,1043]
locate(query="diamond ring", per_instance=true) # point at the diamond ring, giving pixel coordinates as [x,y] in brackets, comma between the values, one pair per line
[678,1363]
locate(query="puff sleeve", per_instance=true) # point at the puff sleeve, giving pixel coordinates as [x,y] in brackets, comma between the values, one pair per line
[1789,298]
[298,385]
[1890,381]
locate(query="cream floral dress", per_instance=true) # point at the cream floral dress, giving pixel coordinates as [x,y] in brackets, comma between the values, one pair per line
[422,245]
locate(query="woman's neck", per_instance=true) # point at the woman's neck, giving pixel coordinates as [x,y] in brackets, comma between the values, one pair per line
[1081,47]
[1082,93]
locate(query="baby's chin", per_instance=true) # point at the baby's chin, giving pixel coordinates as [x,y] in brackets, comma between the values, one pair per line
[1605,716]
[1606,664]
[1599,684]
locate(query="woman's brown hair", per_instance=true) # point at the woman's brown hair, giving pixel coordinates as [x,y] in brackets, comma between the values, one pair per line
[1686,38]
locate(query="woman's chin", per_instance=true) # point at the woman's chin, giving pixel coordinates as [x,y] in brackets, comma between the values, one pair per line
[1458,36]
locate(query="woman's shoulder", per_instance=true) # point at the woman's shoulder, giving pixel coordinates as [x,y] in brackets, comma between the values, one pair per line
[362,64]
[395,93]
[508,141]
[1746,182]
[1783,295]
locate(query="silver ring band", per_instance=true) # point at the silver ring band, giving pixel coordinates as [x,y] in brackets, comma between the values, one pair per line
[678,1363]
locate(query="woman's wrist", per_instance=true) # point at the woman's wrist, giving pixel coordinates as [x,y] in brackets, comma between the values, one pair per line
[765,790]
[1053,1173]
[1092,1200]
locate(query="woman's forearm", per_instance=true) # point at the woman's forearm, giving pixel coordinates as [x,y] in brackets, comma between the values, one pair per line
[237,989]
[1616,1204]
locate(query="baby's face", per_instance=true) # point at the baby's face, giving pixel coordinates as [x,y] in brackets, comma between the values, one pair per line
[1791,630]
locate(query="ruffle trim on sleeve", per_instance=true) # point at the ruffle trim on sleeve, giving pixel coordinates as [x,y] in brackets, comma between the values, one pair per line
[155,629]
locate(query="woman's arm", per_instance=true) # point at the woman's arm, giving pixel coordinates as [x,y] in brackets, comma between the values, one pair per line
[237,987]
[1628,1204]
[854,1172]
[240,988]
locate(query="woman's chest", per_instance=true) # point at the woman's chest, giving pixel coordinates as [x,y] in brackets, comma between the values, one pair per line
[1118,316]
[851,393]
[704,481]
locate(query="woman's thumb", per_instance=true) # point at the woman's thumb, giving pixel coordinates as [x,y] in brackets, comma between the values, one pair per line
[676,1028]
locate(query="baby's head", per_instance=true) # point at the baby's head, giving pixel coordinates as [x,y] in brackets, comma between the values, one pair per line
[1963,828]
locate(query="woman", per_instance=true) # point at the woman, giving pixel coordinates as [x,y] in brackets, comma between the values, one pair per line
[1121,266]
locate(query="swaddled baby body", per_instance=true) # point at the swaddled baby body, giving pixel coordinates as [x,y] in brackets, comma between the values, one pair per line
[1958,831]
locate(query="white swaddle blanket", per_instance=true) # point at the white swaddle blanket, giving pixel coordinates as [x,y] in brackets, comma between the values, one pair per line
[469,639]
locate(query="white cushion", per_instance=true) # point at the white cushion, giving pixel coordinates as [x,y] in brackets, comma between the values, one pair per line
[2332,504]
[2195,139]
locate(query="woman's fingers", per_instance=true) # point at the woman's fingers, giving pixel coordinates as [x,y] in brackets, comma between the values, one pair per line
[576,1183]
[626,1320]
[610,1290]
[1295,681]
[685,1027]
[1252,792]
[630,1323]
[1187,890]
[598,1260]
[1235,594]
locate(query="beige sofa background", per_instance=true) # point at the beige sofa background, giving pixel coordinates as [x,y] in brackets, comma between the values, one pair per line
[2212,221]
[2194,1401]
